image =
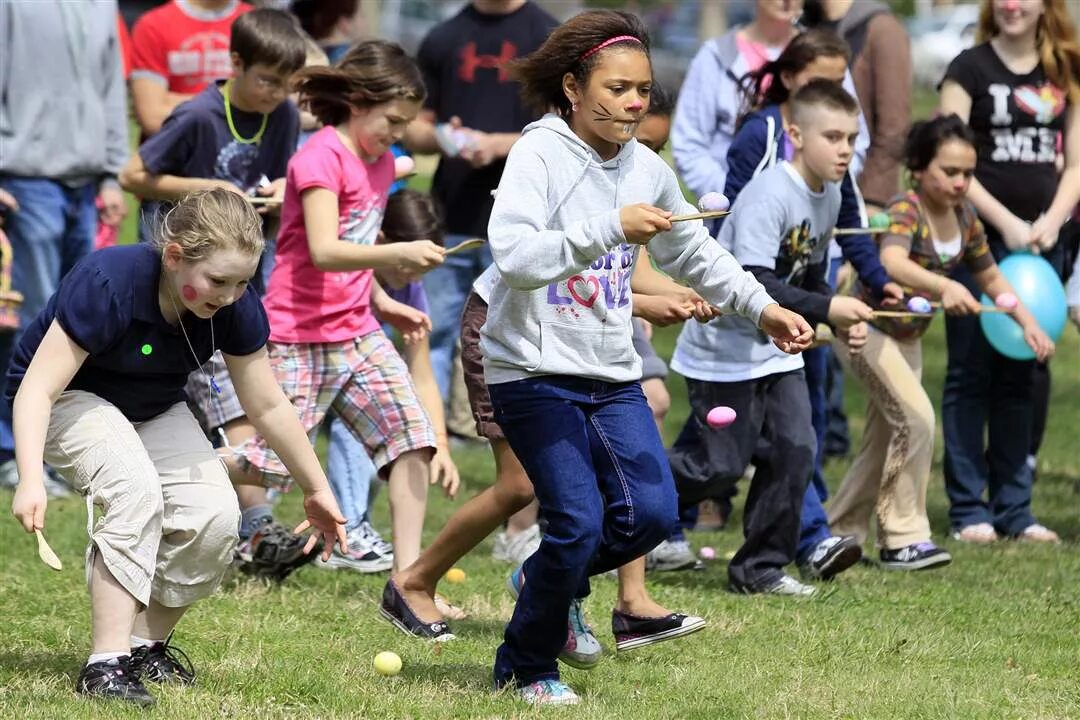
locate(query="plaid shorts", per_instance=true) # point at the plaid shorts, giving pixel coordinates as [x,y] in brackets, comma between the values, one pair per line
[213,410]
[364,382]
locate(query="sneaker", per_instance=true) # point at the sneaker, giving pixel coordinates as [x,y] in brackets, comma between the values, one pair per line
[361,555]
[548,692]
[671,555]
[977,533]
[632,632]
[397,612]
[516,548]
[55,485]
[832,556]
[9,474]
[786,585]
[1039,534]
[375,540]
[581,650]
[273,551]
[920,556]
[113,679]
[162,662]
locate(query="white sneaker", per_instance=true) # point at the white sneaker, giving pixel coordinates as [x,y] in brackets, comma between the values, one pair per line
[788,585]
[516,548]
[977,533]
[362,555]
[55,485]
[671,555]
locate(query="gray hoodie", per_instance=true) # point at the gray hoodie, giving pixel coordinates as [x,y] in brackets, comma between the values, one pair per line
[562,302]
[63,104]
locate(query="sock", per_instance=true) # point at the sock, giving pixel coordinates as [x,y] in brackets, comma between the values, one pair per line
[251,518]
[109,657]
[137,641]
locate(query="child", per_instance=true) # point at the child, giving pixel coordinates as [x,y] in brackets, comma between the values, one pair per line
[98,387]
[326,348]
[636,621]
[1018,89]
[762,140]
[779,229]
[933,229]
[576,197]
[409,216]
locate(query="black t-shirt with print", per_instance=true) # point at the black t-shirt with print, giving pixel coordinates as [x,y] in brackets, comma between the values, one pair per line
[1017,120]
[463,61]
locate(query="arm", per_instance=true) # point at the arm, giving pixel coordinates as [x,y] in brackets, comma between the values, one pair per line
[954,296]
[862,142]
[135,178]
[1045,230]
[152,102]
[1014,231]
[56,361]
[114,95]
[814,306]
[528,254]
[993,283]
[694,133]
[274,417]
[420,134]
[859,250]
[746,153]
[330,253]
[890,63]
[418,358]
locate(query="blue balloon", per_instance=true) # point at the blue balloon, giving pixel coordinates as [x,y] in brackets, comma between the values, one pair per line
[1040,290]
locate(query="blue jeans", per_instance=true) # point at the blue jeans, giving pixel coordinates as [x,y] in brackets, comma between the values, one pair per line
[815,522]
[350,471]
[447,288]
[53,229]
[986,392]
[599,471]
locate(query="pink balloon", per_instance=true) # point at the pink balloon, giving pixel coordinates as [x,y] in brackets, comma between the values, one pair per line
[720,416]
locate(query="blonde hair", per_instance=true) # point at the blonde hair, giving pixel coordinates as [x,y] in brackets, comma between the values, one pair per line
[206,221]
[1055,39]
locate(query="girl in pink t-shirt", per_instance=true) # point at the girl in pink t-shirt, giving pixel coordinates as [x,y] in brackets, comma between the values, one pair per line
[326,346]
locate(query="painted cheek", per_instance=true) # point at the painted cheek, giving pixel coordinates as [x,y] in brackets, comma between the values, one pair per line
[189,293]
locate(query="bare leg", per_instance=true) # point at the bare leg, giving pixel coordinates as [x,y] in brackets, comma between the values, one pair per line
[656,394]
[407,492]
[112,611]
[473,522]
[157,621]
[250,489]
[633,598]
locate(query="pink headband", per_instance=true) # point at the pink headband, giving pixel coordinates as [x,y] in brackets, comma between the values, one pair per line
[606,43]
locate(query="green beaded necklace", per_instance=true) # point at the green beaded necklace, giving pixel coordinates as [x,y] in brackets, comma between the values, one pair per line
[253,140]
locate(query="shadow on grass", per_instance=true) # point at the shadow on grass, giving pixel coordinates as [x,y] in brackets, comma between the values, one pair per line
[473,677]
[41,664]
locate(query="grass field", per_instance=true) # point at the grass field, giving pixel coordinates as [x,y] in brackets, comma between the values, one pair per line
[994,635]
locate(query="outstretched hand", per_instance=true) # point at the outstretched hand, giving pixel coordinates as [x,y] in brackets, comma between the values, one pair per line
[323,514]
[789,331]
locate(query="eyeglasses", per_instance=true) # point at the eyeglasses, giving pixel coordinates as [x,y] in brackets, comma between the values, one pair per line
[271,83]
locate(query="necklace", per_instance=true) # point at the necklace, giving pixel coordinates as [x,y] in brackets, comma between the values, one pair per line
[254,139]
[210,381]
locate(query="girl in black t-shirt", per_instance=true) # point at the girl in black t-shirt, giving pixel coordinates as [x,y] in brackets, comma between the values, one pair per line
[1019,90]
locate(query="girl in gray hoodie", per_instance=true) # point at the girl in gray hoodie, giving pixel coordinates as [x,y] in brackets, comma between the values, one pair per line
[577,199]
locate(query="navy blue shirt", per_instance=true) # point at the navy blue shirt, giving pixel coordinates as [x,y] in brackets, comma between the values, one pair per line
[195,142]
[108,305]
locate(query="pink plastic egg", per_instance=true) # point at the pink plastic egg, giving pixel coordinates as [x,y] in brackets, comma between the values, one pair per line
[720,416]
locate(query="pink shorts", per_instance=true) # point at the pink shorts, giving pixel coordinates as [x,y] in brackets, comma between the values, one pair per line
[364,381]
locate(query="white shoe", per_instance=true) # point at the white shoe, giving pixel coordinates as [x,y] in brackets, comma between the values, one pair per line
[788,585]
[977,533]
[671,555]
[516,548]
[1039,534]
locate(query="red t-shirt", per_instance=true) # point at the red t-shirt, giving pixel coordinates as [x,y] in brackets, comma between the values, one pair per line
[182,47]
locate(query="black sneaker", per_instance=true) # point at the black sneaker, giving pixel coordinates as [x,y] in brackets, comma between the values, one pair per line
[273,551]
[631,631]
[920,556]
[162,663]
[113,679]
[397,612]
[832,556]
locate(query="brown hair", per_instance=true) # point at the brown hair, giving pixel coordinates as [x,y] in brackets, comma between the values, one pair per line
[206,221]
[821,93]
[806,47]
[371,73]
[410,215]
[318,17]
[571,49]
[268,37]
[1055,39]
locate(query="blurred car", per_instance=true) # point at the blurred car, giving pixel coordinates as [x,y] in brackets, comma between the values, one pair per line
[938,38]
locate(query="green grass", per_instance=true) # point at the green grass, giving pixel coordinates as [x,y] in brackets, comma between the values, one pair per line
[994,635]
